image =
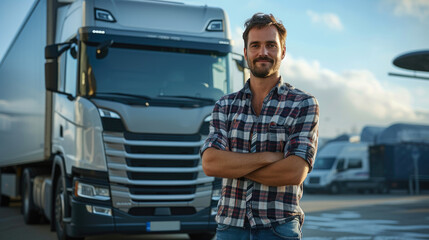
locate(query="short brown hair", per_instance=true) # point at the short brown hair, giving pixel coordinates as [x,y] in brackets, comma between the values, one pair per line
[260,20]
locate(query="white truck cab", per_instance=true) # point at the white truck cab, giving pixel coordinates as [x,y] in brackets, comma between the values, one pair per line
[339,166]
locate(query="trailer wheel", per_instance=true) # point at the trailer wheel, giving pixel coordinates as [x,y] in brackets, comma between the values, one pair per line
[29,209]
[201,236]
[60,208]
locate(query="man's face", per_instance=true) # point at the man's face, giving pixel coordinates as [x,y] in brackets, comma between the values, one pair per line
[264,51]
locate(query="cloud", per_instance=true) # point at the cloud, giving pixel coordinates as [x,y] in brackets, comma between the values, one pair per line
[352,99]
[329,19]
[413,8]
[237,40]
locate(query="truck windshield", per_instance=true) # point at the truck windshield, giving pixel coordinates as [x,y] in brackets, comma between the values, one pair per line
[165,74]
[324,163]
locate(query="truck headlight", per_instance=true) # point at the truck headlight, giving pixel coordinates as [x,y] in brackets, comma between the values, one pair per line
[216,194]
[90,191]
[108,114]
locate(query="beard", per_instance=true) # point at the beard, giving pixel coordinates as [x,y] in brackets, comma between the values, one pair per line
[265,69]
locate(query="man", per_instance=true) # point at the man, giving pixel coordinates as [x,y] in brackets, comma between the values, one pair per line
[262,142]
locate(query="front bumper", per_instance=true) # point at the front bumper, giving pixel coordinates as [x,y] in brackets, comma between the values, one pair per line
[85,223]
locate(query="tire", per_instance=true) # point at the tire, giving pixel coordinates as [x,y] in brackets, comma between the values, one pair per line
[201,236]
[334,188]
[4,200]
[60,207]
[29,210]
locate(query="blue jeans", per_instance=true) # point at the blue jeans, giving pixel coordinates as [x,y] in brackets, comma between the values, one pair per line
[290,230]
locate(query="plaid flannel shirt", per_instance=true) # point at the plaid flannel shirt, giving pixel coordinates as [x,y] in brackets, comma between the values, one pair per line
[288,123]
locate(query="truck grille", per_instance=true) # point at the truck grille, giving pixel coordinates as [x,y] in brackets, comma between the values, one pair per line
[156,170]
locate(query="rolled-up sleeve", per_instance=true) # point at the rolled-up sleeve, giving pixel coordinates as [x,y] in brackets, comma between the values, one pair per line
[218,136]
[304,131]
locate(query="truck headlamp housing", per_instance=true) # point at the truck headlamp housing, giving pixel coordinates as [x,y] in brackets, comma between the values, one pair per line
[216,194]
[108,114]
[91,191]
[111,121]
[215,26]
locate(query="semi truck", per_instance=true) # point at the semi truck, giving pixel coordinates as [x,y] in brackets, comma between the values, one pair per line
[104,105]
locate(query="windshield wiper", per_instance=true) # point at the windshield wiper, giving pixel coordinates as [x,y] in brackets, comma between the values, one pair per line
[124,95]
[192,98]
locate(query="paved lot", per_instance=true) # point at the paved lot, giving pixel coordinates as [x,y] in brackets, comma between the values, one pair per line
[328,217]
[367,218]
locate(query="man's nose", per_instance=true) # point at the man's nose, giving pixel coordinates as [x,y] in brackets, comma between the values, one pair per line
[263,51]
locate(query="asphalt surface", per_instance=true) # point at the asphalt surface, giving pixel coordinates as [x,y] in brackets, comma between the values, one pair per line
[395,216]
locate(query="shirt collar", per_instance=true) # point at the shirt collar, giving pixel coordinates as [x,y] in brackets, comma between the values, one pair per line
[280,87]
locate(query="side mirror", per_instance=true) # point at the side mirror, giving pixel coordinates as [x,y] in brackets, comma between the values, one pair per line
[241,64]
[240,61]
[51,76]
[51,65]
[52,51]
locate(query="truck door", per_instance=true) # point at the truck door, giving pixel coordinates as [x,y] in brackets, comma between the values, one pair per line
[63,129]
[355,170]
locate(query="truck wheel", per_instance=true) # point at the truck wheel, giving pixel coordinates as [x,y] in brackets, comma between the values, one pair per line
[60,208]
[29,209]
[335,188]
[4,200]
[201,236]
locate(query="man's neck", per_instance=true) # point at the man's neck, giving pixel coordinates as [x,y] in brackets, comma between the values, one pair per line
[262,86]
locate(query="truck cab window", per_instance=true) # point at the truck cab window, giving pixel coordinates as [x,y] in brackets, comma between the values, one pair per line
[324,163]
[159,74]
[355,163]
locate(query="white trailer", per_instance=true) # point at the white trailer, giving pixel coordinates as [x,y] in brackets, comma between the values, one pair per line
[105,135]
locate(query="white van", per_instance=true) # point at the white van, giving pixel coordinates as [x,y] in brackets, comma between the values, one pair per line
[339,167]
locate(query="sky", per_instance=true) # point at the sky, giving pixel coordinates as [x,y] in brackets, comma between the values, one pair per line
[339,51]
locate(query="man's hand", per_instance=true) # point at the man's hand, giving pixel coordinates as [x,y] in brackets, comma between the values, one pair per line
[226,164]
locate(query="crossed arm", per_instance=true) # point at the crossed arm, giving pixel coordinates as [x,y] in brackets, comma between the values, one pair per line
[268,168]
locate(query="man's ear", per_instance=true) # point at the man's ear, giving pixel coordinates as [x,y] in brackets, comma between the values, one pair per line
[245,54]
[284,52]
